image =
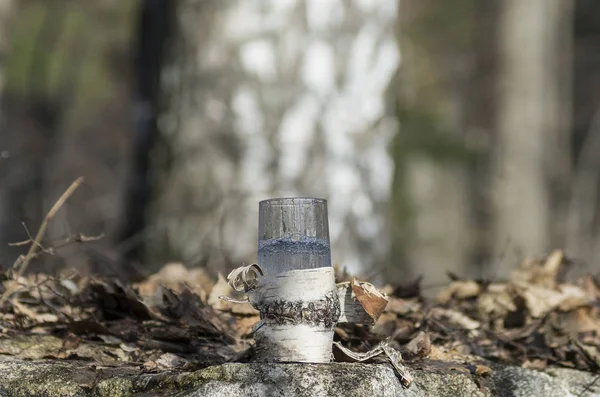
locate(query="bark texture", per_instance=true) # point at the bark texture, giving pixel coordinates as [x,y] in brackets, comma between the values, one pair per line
[434,223]
[533,125]
[270,99]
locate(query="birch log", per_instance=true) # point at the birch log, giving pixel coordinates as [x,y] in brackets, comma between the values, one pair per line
[298,310]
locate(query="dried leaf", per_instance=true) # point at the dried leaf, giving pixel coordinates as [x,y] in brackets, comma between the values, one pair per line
[554,262]
[462,289]
[176,276]
[541,300]
[591,286]
[573,297]
[538,364]
[455,317]
[118,300]
[545,273]
[372,301]
[351,310]
[402,306]
[403,332]
[419,347]
[71,341]
[170,361]
[496,301]
[482,370]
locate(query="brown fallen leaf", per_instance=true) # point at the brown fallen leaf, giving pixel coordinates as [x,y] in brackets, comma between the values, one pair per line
[455,317]
[342,334]
[419,347]
[461,289]
[573,297]
[538,364]
[244,324]
[150,365]
[70,342]
[553,263]
[482,370]
[118,300]
[403,332]
[353,308]
[591,286]
[402,306]
[441,353]
[584,319]
[542,272]
[170,361]
[175,276]
[541,300]
[373,301]
[496,301]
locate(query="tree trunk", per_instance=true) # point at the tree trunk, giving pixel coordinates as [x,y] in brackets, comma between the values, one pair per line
[269,99]
[583,230]
[531,167]
[6,7]
[434,222]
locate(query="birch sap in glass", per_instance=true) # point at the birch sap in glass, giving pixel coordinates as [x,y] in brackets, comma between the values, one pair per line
[293,234]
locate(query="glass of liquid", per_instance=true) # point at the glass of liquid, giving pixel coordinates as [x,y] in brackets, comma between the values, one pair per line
[293,234]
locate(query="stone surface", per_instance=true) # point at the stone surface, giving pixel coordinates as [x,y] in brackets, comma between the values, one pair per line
[53,378]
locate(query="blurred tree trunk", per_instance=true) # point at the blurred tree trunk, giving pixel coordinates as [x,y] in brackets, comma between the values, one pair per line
[265,99]
[6,196]
[64,102]
[583,230]
[153,32]
[6,7]
[433,205]
[531,166]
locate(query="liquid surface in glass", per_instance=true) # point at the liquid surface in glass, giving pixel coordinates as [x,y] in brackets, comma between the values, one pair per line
[295,252]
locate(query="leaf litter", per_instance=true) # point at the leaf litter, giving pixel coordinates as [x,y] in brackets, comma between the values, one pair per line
[174,320]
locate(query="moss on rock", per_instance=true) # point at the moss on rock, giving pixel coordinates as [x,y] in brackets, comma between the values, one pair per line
[56,378]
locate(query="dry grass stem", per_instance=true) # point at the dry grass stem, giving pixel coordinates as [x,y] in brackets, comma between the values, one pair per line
[21,266]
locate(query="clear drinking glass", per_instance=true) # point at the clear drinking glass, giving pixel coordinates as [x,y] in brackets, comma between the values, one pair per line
[293,233]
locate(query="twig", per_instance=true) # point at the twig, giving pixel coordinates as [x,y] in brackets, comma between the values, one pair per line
[587,387]
[22,266]
[19,243]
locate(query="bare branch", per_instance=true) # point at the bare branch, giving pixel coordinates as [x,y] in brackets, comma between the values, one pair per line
[21,266]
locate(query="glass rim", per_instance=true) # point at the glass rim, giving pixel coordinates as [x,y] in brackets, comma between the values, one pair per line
[292,200]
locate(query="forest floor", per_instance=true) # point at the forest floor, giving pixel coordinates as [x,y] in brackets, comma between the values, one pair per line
[175,320]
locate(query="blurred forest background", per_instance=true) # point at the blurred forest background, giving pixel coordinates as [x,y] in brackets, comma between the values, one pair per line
[455,135]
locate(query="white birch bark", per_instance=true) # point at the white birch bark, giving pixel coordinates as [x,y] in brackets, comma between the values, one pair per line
[299,310]
[271,98]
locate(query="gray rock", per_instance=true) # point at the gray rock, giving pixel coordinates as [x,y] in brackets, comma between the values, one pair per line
[352,380]
[54,378]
